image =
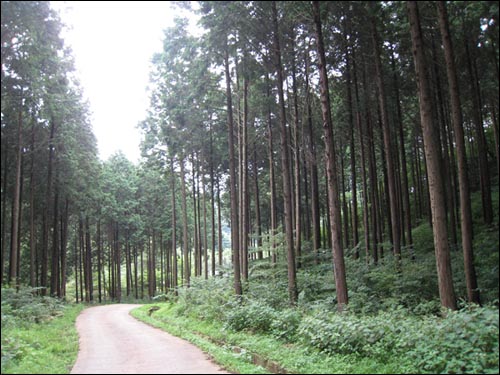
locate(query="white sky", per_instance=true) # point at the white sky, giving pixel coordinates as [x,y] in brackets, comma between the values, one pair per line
[113,43]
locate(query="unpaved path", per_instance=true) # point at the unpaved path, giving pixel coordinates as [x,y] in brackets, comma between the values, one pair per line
[113,342]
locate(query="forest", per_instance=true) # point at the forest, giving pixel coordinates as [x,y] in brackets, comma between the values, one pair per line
[305,166]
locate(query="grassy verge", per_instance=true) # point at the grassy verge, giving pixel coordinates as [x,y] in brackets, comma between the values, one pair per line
[49,347]
[267,351]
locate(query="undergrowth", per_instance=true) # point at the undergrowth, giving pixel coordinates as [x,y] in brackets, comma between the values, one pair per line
[38,333]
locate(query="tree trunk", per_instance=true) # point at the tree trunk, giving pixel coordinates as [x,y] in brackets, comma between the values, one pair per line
[391,182]
[296,165]
[16,206]
[315,211]
[484,173]
[174,228]
[432,153]
[185,262]
[54,270]
[457,121]
[272,183]
[285,165]
[232,180]
[404,172]
[334,211]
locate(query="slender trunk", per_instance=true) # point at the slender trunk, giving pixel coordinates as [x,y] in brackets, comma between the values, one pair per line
[359,126]
[174,229]
[285,165]
[272,183]
[185,262]
[389,159]
[232,181]
[16,206]
[404,173]
[54,270]
[258,223]
[315,211]
[457,121]
[296,166]
[45,235]
[32,210]
[219,225]
[212,200]
[352,151]
[334,211]
[99,261]
[64,244]
[484,173]
[432,153]
[243,204]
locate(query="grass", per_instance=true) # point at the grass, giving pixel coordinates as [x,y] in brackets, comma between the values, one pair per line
[41,348]
[277,356]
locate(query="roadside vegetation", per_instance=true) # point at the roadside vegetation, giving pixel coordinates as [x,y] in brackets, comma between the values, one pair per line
[38,333]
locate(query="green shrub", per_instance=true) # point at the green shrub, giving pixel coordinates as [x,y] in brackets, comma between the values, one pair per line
[463,341]
[285,324]
[251,315]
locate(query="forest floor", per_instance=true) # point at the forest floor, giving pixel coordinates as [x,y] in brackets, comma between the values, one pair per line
[113,342]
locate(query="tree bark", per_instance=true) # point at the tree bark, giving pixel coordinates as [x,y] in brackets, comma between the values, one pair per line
[432,153]
[232,180]
[391,183]
[16,206]
[334,209]
[457,121]
[285,165]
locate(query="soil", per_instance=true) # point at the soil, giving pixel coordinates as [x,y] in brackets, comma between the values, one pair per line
[113,342]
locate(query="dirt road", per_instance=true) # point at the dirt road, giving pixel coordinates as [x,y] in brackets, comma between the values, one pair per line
[113,342]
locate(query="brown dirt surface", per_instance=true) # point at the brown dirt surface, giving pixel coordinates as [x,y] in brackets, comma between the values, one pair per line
[113,342]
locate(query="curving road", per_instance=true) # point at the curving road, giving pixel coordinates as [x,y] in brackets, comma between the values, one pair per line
[113,342]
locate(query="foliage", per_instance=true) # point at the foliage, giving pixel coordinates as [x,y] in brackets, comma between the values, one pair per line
[463,341]
[38,333]
[25,306]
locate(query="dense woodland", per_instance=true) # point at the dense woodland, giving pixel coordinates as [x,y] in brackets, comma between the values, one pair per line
[289,133]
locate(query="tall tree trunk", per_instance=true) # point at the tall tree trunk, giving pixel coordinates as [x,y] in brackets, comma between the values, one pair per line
[219,225]
[174,228]
[457,121]
[232,180]
[258,224]
[243,203]
[99,262]
[272,184]
[88,262]
[404,173]
[359,126]
[6,160]
[185,262]
[334,211]
[212,200]
[484,173]
[33,280]
[391,182]
[16,206]
[352,150]
[433,160]
[45,235]
[296,158]
[285,165]
[315,211]
[54,270]
[64,245]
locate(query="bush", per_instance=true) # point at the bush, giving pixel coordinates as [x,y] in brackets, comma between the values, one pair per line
[252,315]
[285,324]
[463,341]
